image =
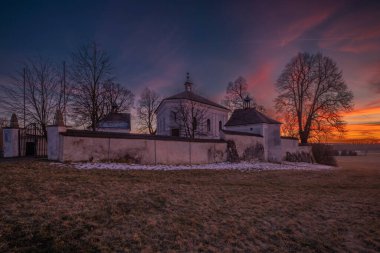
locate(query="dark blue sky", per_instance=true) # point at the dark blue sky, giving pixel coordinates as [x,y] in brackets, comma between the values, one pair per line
[154,43]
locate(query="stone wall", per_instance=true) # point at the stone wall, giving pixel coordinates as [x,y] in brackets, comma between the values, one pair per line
[292,151]
[244,142]
[75,146]
[1,142]
[11,142]
[288,145]
[272,139]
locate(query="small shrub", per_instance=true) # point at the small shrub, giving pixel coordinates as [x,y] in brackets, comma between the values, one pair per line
[232,154]
[323,154]
[352,153]
[299,157]
[254,153]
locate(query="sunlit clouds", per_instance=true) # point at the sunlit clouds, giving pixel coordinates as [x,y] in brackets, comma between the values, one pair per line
[153,44]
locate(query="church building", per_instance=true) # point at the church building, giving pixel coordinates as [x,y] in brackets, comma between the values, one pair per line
[115,122]
[187,114]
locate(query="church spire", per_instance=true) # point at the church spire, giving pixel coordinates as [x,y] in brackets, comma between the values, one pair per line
[247,102]
[188,84]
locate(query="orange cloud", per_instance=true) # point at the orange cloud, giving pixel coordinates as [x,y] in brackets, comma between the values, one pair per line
[363,131]
[363,123]
[364,111]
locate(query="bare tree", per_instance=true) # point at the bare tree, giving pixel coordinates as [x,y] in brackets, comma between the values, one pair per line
[117,95]
[64,92]
[38,86]
[236,92]
[191,118]
[3,122]
[147,105]
[312,89]
[90,71]
[289,127]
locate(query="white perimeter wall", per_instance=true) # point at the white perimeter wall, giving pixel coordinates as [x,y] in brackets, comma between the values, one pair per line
[292,146]
[243,142]
[288,145]
[11,142]
[145,151]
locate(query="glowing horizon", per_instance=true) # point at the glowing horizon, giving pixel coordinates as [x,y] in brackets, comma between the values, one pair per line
[153,44]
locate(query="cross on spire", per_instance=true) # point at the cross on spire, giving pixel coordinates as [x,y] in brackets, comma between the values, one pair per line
[188,83]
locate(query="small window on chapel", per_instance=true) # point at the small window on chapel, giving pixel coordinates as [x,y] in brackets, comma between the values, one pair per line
[174,116]
[220,125]
[208,125]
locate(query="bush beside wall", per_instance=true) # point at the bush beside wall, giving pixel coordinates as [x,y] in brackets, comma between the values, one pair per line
[324,154]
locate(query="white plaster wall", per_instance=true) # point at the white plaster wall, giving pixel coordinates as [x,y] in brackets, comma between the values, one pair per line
[53,144]
[11,142]
[288,145]
[1,140]
[273,142]
[243,142]
[76,149]
[113,130]
[253,128]
[165,123]
[208,152]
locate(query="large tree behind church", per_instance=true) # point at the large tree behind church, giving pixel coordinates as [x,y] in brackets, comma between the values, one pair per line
[236,92]
[313,92]
[94,92]
[90,71]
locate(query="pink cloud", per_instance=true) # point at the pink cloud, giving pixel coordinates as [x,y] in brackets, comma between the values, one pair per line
[359,47]
[356,33]
[261,83]
[295,29]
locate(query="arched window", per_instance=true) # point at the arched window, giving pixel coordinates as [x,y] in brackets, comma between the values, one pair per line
[208,125]
[220,125]
[173,116]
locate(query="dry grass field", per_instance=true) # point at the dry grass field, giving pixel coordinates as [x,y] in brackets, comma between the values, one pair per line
[44,208]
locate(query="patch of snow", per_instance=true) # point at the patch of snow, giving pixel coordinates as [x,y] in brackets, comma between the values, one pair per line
[243,166]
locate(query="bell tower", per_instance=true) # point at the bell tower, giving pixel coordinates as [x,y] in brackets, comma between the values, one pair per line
[247,102]
[188,84]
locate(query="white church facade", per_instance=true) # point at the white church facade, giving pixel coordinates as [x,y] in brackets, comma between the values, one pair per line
[186,112]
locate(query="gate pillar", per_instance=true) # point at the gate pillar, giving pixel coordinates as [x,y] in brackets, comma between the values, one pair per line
[54,140]
[11,137]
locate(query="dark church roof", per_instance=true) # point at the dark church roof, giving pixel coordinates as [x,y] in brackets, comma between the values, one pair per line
[194,97]
[249,116]
[116,120]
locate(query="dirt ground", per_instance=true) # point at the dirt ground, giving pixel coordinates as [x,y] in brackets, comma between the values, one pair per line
[46,208]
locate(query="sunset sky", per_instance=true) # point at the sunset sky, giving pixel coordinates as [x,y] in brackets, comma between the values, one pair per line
[154,43]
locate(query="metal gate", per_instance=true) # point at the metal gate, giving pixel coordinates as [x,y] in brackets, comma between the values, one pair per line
[32,141]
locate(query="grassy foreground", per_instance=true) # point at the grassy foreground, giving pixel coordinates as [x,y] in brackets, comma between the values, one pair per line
[44,208]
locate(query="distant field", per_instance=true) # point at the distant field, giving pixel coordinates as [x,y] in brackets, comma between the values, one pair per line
[370,161]
[48,209]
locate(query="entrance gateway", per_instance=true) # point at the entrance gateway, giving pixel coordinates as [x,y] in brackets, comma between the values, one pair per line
[32,141]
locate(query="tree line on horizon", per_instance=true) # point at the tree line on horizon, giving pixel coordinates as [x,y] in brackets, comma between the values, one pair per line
[312,95]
